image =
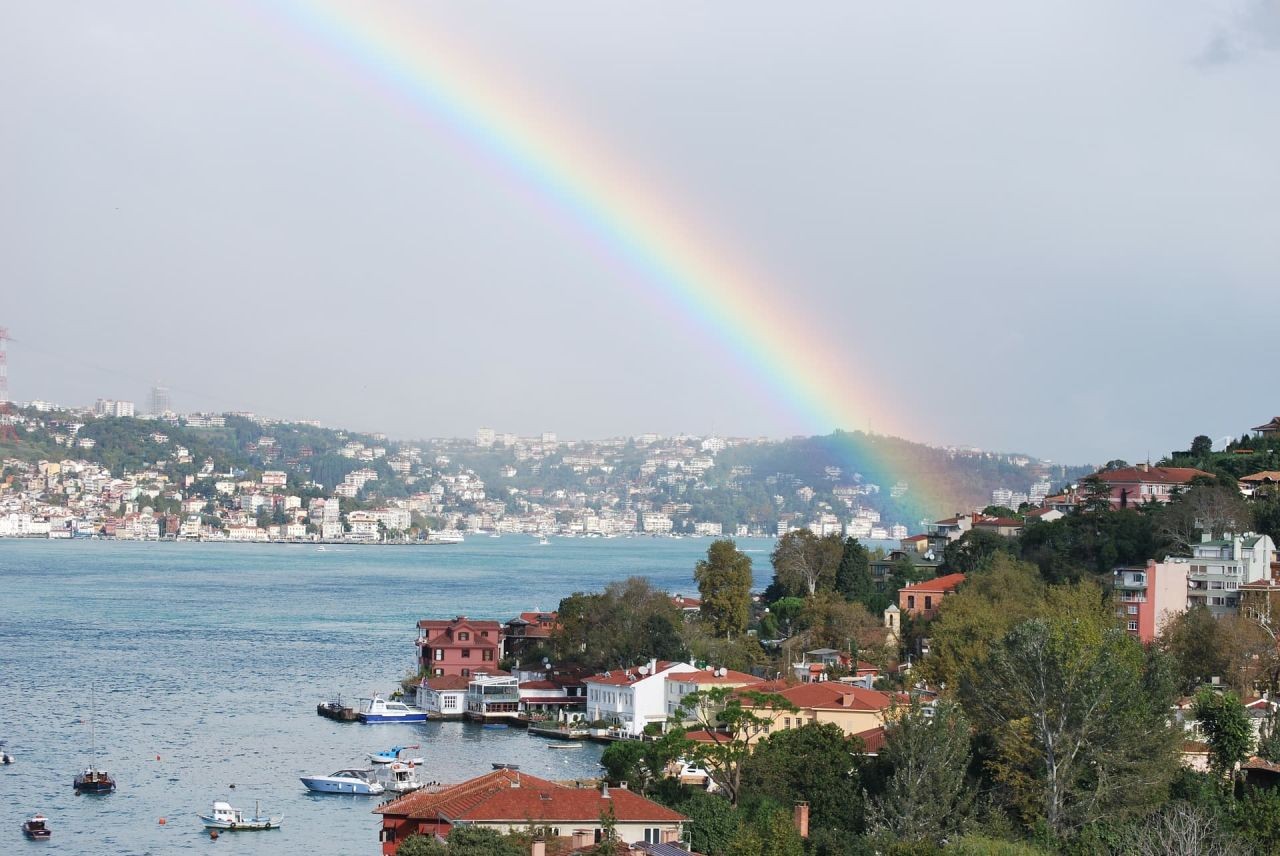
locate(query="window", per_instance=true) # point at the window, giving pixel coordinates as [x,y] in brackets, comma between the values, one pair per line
[1215,585]
[928,601]
[439,653]
[439,672]
[487,655]
[911,601]
[1217,601]
[786,722]
[1133,625]
[449,703]
[484,634]
[652,835]
[1133,610]
[464,636]
[466,673]
[466,653]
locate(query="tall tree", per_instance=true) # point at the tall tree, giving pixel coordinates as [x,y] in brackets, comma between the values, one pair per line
[1210,509]
[1195,641]
[926,798]
[853,575]
[724,584]
[975,550]
[728,721]
[1201,446]
[814,763]
[830,621]
[803,563]
[1226,728]
[627,623]
[1077,712]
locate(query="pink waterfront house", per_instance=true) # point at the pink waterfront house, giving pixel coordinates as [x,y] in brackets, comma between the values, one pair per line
[459,646]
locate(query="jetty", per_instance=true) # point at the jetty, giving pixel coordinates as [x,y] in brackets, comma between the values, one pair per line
[336,710]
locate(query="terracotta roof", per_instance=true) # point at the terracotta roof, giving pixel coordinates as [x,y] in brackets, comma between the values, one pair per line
[447,682]
[916,538]
[1257,763]
[686,602]
[826,695]
[1273,425]
[1264,477]
[623,677]
[872,740]
[946,583]
[998,521]
[540,685]
[510,795]
[1150,475]
[460,621]
[704,677]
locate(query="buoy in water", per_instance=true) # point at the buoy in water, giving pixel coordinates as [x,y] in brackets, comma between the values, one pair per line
[157,757]
[162,821]
[213,833]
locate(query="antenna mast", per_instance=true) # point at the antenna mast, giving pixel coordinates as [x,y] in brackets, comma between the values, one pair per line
[7,432]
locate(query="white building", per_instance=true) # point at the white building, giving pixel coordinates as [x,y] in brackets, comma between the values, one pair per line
[1217,569]
[485,437]
[656,522]
[681,683]
[443,696]
[629,699]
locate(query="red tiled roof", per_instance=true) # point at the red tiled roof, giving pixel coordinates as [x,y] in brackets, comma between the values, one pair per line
[916,538]
[1266,476]
[447,682]
[509,795]
[459,622]
[946,583]
[998,521]
[872,740]
[704,677]
[825,695]
[686,602]
[1150,475]
[619,677]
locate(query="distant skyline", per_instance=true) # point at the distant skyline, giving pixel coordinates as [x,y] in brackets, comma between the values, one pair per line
[1023,228]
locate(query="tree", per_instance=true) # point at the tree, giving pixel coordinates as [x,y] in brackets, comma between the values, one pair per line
[1076,712]
[803,563]
[1201,447]
[1195,641]
[729,721]
[832,622]
[926,798]
[714,822]
[974,619]
[422,845]
[628,623]
[1225,725]
[1211,509]
[975,549]
[814,763]
[1181,829]
[853,574]
[724,585]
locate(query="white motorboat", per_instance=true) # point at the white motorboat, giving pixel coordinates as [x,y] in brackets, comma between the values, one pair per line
[226,817]
[542,542]
[401,778]
[377,709]
[445,536]
[390,756]
[359,782]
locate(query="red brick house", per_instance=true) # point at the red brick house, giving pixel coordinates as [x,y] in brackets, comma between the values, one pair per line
[923,599]
[508,800]
[459,646]
[1132,486]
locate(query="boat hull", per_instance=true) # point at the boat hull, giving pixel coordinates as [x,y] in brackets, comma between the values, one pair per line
[99,784]
[378,718]
[253,824]
[326,786]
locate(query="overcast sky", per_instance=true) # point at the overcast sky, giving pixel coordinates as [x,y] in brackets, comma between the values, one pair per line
[1042,227]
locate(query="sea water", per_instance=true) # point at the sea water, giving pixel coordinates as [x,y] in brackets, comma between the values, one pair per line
[201,666]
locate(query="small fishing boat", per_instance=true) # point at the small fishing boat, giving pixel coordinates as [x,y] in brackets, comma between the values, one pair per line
[226,817]
[36,828]
[5,757]
[359,782]
[542,542]
[389,756]
[401,778]
[564,744]
[377,709]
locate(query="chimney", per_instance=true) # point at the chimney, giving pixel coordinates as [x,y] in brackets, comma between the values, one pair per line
[581,838]
[802,819]
[653,665]
[604,790]
[538,848]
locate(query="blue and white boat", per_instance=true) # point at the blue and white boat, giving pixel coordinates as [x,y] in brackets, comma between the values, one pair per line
[390,756]
[377,709]
[358,782]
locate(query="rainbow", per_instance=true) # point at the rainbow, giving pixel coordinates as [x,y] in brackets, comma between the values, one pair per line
[620,216]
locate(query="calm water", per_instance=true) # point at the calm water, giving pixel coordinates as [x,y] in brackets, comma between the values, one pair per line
[208,661]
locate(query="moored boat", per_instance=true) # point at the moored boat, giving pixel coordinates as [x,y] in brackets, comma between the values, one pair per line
[401,777]
[36,828]
[358,782]
[389,756]
[377,709]
[94,781]
[226,817]
[564,744]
